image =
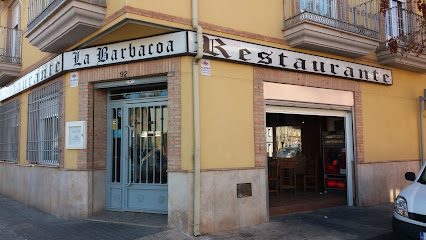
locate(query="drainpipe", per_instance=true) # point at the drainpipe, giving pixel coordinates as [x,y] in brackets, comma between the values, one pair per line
[196,96]
[355,159]
[421,101]
[93,150]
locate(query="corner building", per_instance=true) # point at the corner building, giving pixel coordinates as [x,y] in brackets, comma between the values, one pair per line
[294,105]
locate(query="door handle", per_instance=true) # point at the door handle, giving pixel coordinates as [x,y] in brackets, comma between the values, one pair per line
[129,182]
[129,158]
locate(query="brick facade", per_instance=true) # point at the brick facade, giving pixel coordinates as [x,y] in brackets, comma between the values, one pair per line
[99,129]
[303,79]
[97,132]
[259,120]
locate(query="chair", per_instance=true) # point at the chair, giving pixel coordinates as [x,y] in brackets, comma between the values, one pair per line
[287,168]
[273,171]
[311,175]
[300,172]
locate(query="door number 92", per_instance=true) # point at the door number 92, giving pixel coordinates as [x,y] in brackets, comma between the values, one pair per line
[123,74]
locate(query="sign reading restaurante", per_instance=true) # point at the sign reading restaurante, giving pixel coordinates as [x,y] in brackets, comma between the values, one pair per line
[233,50]
[38,75]
[173,44]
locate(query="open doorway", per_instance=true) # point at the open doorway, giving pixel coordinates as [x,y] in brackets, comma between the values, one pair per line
[307,167]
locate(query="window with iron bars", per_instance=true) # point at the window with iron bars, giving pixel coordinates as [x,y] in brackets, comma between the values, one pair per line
[9,113]
[43,125]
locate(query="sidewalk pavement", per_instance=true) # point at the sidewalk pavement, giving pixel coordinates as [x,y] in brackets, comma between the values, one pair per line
[18,221]
[372,223]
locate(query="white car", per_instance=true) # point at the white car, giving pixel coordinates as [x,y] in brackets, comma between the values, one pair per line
[409,216]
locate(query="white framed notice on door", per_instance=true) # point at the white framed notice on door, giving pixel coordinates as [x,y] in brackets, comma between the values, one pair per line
[75,135]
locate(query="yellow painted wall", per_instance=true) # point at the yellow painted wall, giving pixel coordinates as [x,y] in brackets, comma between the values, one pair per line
[3,22]
[3,14]
[244,15]
[391,118]
[187,119]
[181,8]
[71,114]
[260,17]
[23,129]
[226,116]
[113,6]
[30,54]
[248,16]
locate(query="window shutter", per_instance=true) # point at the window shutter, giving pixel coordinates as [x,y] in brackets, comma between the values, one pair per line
[15,16]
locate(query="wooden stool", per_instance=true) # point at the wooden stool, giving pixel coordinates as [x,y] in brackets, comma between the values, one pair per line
[287,168]
[273,170]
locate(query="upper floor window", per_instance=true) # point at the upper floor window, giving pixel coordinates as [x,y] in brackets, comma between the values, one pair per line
[15,33]
[321,7]
[10,36]
[404,25]
[396,19]
[15,15]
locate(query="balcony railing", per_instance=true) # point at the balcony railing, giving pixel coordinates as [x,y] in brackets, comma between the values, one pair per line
[407,27]
[40,9]
[10,45]
[356,16]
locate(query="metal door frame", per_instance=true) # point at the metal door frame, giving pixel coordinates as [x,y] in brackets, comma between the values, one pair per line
[125,104]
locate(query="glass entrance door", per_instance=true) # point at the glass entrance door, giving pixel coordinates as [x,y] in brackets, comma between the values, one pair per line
[137,166]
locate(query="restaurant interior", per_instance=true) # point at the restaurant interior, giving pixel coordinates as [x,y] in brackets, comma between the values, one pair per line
[306,162]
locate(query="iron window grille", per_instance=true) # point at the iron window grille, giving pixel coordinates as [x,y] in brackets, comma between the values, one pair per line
[43,125]
[9,131]
[406,26]
[357,16]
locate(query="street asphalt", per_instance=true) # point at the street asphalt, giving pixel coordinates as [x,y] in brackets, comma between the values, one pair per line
[18,221]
